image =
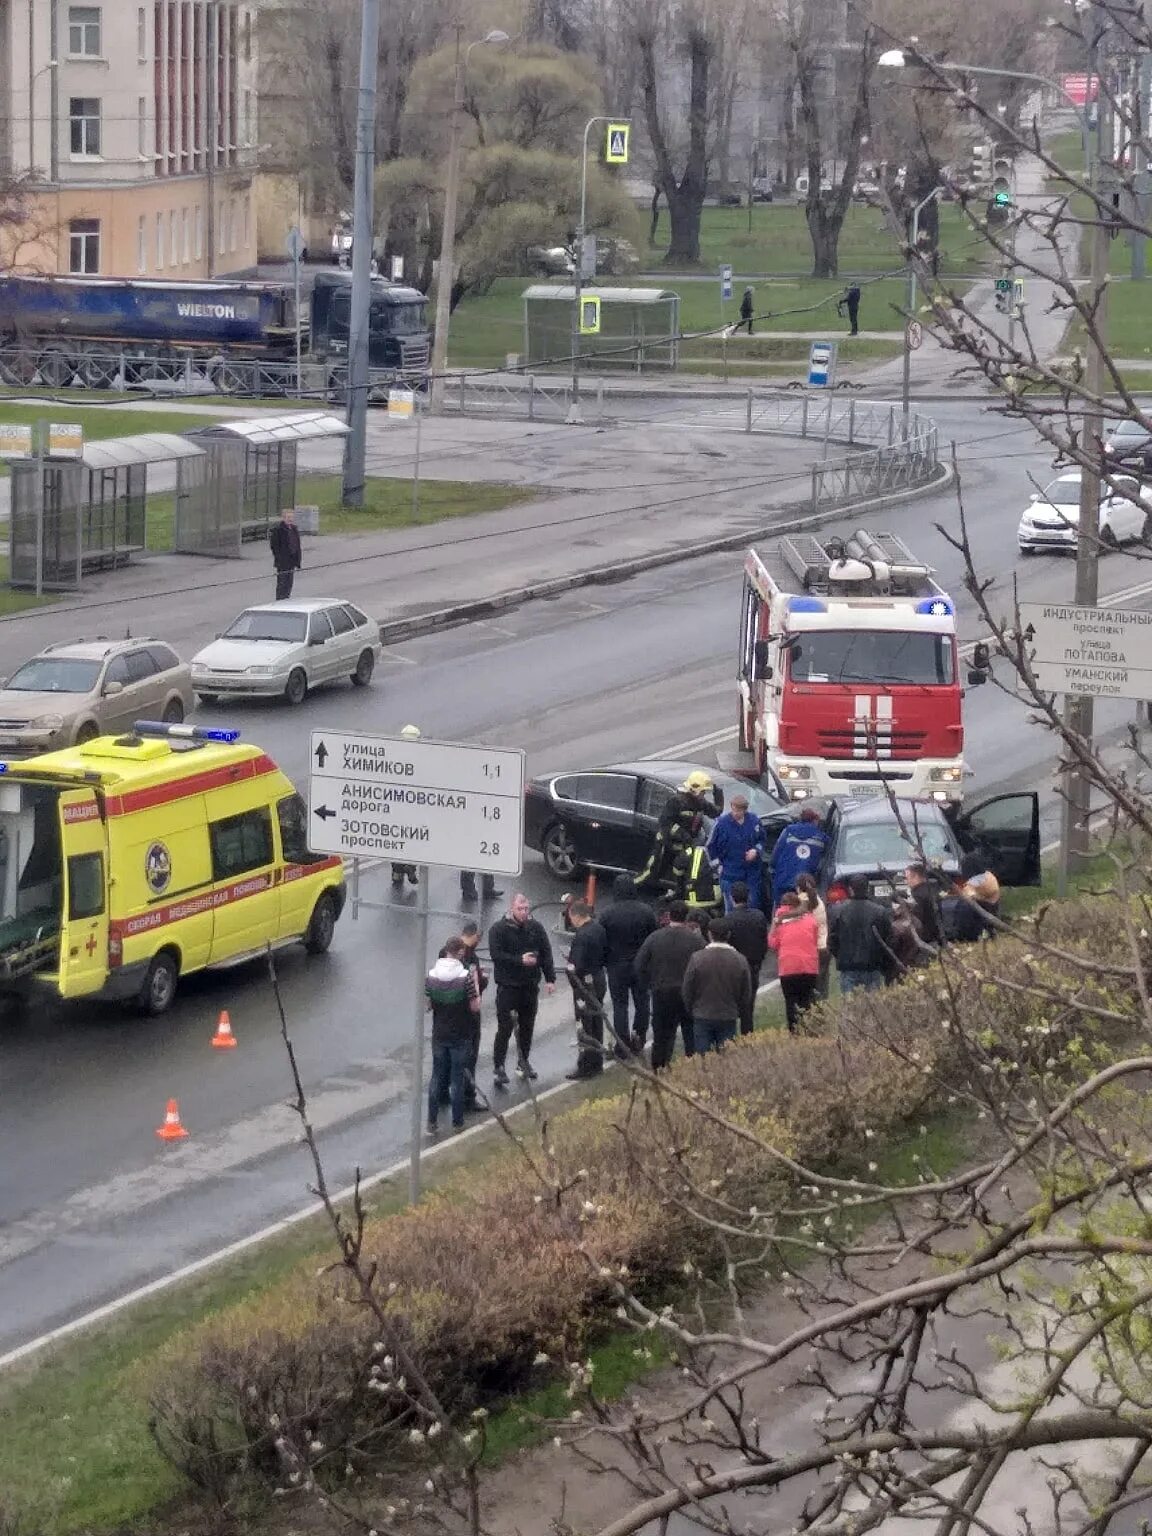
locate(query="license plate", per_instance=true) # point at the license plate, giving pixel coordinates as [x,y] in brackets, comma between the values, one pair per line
[865,791]
[881,888]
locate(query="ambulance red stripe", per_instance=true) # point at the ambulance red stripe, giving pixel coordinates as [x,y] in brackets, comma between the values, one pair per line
[209,900]
[149,798]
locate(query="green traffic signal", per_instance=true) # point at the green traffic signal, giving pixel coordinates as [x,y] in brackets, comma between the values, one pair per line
[1002,200]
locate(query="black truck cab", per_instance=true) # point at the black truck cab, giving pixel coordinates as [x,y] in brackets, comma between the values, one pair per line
[398,336]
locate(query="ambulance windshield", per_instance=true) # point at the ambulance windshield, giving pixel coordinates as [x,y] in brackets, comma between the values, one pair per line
[261,624]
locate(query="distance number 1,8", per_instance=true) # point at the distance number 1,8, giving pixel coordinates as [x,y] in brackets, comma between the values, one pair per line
[491,813]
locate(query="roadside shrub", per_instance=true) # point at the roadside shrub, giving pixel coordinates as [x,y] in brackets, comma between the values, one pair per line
[508,1261]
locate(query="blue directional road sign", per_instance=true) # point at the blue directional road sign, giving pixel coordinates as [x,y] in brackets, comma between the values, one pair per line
[725,283]
[820,360]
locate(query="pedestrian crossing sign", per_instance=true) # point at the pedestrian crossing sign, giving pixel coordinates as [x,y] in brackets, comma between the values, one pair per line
[616,144]
[589,316]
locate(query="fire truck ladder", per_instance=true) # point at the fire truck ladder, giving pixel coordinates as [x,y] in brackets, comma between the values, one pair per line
[811,562]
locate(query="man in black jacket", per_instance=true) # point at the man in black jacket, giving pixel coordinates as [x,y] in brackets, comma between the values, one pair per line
[660,968]
[285,541]
[860,938]
[586,959]
[925,906]
[748,936]
[627,923]
[521,953]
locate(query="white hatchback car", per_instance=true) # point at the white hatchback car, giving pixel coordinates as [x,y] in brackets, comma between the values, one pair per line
[286,648]
[1052,520]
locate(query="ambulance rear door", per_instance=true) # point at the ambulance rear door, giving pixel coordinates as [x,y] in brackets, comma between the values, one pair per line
[84,913]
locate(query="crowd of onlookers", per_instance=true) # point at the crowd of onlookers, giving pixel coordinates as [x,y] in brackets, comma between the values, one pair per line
[686,972]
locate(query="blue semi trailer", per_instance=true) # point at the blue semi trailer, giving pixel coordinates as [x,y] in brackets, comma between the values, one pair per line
[92,330]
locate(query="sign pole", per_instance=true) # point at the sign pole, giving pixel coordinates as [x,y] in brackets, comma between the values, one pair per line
[831,385]
[416,469]
[417,1132]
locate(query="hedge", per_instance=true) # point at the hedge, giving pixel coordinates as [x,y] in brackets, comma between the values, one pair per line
[505,1264]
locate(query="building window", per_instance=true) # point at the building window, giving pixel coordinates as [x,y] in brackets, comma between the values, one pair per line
[221,242]
[141,244]
[173,241]
[247,37]
[84,121]
[198,232]
[142,35]
[84,31]
[247,227]
[248,117]
[159,241]
[185,238]
[84,246]
[142,126]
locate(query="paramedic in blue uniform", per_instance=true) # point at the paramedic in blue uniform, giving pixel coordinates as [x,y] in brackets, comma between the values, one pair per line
[798,851]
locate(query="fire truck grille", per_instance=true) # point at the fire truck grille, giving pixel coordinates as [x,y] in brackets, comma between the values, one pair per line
[871,743]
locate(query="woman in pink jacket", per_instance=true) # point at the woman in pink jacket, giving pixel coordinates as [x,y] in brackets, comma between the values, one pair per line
[794,936]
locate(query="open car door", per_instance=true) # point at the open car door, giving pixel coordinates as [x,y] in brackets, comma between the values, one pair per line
[84,915]
[1006,831]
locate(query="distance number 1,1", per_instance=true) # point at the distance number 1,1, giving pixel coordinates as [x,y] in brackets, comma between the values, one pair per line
[491,770]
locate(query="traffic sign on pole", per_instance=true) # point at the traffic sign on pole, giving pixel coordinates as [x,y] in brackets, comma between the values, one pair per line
[725,283]
[821,362]
[589,315]
[294,244]
[437,803]
[1104,652]
[616,143]
[914,335]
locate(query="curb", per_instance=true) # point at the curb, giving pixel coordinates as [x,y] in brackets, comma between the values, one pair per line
[394,630]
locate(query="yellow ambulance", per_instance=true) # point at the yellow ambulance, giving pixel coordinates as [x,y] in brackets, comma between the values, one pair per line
[127,862]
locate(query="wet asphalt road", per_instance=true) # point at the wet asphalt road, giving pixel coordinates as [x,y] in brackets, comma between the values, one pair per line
[91,1204]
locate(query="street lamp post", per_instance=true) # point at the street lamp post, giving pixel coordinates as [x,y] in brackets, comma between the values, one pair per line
[355,444]
[447,266]
[1078,709]
[575,415]
[906,390]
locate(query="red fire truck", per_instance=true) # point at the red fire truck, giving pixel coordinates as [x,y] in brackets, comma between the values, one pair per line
[849,674]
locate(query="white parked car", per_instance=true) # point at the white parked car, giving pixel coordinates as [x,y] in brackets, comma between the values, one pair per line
[287,648]
[1052,520]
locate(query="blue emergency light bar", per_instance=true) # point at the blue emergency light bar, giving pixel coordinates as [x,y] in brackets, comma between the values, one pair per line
[799,604]
[184,732]
[936,607]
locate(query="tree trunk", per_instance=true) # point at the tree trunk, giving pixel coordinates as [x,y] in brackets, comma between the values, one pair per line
[684,218]
[655,221]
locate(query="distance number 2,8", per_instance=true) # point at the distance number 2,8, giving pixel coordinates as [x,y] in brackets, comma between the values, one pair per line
[490,848]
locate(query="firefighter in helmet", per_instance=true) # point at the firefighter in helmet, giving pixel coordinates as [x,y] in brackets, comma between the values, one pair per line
[682,825]
[696,883]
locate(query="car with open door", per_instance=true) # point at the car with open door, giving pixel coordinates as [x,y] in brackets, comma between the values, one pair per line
[875,838]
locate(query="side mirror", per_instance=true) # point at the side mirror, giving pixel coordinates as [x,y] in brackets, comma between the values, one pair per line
[1035,496]
[760,667]
[317,639]
[981,656]
[112,689]
[976,678]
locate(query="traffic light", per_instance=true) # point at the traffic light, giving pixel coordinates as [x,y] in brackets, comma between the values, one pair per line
[1003,295]
[1002,184]
[981,164]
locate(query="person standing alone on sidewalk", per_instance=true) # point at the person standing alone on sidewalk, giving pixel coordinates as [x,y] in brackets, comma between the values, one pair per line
[747,310]
[627,923]
[850,302]
[521,954]
[286,559]
[660,968]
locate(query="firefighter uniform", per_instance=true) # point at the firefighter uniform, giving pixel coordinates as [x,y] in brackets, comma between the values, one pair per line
[681,823]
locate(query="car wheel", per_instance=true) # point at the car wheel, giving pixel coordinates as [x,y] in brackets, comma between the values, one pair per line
[87,732]
[208,698]
[296,688]
[1146,531]
[1026,549]
[559,852]
[365,666]
[159,987]
[1108,537]
[173,712]
[321,926]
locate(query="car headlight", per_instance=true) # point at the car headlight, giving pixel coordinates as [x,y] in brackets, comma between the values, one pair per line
[46,723]
[262,671]
[794,771]
[946,775]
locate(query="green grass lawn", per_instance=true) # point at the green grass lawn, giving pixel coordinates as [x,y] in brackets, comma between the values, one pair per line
[106,421]
[1128,324]
[779,241]
[387,504]
[487,328]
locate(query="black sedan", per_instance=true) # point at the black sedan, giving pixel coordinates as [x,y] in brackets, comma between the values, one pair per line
[868,837]
[606,818]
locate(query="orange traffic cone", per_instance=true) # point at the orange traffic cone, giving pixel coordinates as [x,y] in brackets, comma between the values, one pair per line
[171,1130]
[224,1039]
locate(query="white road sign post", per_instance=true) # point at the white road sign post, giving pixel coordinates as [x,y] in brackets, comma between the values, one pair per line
[1105,652]
[432,804]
